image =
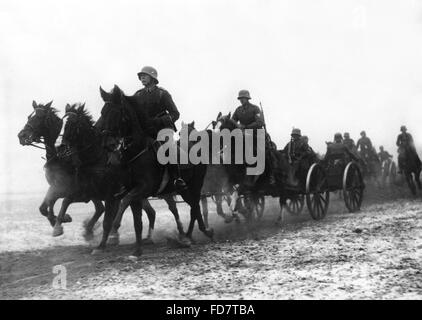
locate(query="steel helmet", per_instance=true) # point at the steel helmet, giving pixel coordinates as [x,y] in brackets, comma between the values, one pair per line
[403,128]
[346,135]
[296,131]
[363,132]
[338,136]
[244,94]
[152,72]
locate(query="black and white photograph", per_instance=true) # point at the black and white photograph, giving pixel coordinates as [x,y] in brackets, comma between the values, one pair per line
[212,150]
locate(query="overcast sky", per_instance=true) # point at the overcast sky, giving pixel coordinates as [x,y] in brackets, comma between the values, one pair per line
[320,65]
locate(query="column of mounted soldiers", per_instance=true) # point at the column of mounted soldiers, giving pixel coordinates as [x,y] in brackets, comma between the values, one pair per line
[160,106]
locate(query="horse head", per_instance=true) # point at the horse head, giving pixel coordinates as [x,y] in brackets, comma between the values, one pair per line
[42,123]
[116,122]
[79,127]
[225,122]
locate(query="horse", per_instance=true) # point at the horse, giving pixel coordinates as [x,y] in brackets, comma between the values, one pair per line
[251,186]
[120,121]
[215,185]
[411,167]
[371,166]
[111,97]
[43,127]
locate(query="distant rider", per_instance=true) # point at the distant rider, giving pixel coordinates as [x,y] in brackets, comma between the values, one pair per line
[364,145]
[405,142]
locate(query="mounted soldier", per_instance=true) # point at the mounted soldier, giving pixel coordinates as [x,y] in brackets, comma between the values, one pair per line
[349,142]
[405,144]
[249,116]
[161,109]
[384,155]
[364,145]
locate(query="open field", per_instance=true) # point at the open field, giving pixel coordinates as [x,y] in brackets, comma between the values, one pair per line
[373,254]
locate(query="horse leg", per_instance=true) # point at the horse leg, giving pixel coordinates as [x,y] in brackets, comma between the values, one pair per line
[89,225]
[220,211]
[137,222]
[133,195]
[193,198]
[418,180]
[204,202]
[410,182]
[173,208]
[151,218]
[111,206]
[47,206]
[283,204]
[58,228]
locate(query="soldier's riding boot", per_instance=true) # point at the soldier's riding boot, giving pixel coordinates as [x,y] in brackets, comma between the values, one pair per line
[178,182]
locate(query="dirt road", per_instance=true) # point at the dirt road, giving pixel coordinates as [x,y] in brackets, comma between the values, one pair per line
[373,254]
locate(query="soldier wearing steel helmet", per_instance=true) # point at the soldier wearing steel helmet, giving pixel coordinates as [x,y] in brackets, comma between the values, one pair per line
[405,142]
[348,142]
[295,150]
[161,109]
[364,145]
[156,101]
[247,115]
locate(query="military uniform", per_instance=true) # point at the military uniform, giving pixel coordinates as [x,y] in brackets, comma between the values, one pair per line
[249,115]
[384,156]
[365,144]
[295,149]
[404,139]
[159,106]
[349,143]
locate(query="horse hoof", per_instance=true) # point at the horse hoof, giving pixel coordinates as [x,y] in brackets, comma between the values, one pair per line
[147,241]
[67,218]
[209,233]
[57,231]
[113,240]
[136,254]
[88,235]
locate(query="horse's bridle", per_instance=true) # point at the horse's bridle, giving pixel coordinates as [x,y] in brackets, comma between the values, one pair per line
[31,127]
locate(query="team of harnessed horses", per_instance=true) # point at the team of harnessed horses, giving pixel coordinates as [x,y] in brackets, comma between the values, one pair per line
[109,159]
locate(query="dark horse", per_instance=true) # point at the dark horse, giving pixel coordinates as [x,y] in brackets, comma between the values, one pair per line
[44,126]
[411,167]
[216,185]
[146,173]
[95,177]
[114,97]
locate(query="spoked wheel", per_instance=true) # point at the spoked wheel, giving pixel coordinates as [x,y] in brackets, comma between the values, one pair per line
[317,194]
[352,187]
[259,206]
[295,205]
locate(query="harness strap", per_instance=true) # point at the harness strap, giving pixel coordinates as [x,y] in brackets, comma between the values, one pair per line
[143,151]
